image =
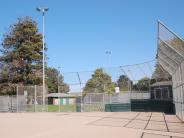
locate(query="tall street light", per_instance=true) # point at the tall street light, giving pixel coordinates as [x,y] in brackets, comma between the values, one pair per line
[59,68]
[43,10]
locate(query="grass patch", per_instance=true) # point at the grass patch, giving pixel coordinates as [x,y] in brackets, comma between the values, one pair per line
[51,108]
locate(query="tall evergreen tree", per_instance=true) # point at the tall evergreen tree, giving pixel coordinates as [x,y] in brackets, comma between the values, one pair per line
[21,55]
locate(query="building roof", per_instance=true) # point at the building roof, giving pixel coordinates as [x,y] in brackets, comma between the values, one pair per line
[76,94]
[162,83]
[61,95]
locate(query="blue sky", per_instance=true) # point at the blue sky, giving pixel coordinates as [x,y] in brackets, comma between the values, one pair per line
[78,32]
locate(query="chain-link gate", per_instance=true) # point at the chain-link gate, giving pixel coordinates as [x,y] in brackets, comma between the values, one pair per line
[4,103]
[8,103]
[31,99]
[94,102]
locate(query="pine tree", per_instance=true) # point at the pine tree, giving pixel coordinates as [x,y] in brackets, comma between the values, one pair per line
[21,55]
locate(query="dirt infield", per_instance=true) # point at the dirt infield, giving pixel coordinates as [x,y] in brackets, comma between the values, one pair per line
[90,125]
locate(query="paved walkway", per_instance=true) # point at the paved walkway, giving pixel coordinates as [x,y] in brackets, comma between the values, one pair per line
[90,125]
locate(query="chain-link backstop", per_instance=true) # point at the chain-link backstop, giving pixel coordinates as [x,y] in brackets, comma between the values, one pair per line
[171,57]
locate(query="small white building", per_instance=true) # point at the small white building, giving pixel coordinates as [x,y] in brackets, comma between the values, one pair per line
[61,98]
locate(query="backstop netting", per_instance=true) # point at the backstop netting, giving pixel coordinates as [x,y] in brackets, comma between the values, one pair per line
[170,56]
[99,96]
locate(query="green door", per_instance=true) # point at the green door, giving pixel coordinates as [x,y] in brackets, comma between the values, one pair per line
[63,101]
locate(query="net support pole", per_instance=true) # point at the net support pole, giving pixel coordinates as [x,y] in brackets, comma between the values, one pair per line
[80,88]
[58,87]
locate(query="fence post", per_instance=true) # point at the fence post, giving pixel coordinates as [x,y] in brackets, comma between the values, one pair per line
[150,88]
[35,98]
[59,102]
[17,98]
[90,102]
[58,86]
[104,100]
[110,97]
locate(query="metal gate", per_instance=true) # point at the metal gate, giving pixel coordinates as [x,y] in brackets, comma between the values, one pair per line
[94,102]
[8,103]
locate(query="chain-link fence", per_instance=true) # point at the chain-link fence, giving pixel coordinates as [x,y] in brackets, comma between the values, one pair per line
[100,101]
[171,57]
[31,99]
[115,85]
[5,104]
[10,103]
[86,91]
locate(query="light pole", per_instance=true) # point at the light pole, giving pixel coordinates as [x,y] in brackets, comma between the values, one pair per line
[58,88]
[43,10]
[108,53]
[58,77]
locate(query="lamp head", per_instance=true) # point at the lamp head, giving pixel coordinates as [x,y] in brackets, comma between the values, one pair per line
[42,9]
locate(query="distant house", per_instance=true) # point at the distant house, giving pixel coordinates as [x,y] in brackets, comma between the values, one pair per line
[161,90]
[62,98]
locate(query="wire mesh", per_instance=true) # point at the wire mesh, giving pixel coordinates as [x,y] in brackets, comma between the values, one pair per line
[4,103]
[31,99]
[116,85]
[171,57]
